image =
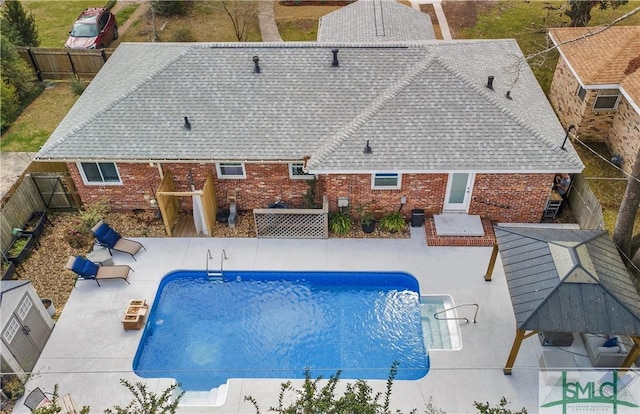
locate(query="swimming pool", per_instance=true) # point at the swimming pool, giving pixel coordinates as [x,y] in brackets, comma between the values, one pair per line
[203,331]
[443,333]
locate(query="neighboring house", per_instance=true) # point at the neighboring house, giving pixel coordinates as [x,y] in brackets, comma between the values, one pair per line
[596,86]
[376,123]
[375,21]
[26,326]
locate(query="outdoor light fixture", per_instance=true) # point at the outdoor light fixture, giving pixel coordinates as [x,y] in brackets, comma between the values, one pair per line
[567,136]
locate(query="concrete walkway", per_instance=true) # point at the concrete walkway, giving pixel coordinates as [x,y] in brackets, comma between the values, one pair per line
[267,20]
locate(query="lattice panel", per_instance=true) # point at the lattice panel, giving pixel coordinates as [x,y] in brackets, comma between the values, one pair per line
[291,226]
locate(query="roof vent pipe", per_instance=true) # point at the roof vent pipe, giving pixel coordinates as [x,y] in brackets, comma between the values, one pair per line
[335,62]
[490,82]
[508,95]
[256,69]
[187,124]
[367,148]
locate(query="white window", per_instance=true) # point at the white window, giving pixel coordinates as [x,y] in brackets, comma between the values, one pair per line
[103,173]
[606,99]
[581,93]
[385,181]
[231,170]
[297,173]
[11,330]
[24,307]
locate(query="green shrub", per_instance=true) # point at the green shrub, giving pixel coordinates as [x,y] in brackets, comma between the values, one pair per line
[77,86]
[393,222]
[340,223]
[170,7]
[183,34]
[9,105]
[93,213]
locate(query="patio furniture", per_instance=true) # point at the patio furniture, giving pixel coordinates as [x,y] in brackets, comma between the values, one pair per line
[602,356]
[135,314]
[552,363]
[36,399]
[109,238]
[101,256]
[88,270]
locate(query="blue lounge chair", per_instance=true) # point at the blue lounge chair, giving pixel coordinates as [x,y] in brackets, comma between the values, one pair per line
[109,238]
[88,270]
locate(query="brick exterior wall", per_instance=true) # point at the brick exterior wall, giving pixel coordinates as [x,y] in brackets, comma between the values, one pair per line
[624,137]
[498,197]
[619,129]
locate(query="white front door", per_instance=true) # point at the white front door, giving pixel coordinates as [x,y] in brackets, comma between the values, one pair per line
[458,194]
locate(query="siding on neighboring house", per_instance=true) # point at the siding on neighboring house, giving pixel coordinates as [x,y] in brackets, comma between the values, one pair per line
[499,197]
[624,136]
[591,125]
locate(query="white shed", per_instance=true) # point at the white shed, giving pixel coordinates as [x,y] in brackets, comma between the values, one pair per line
[26,326]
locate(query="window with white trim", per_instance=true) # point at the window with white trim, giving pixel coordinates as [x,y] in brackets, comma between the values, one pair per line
[606,99]
[297,173]
[385,181]
[24,308]
[230,170]
[102,173]
[581,93]
[11,330]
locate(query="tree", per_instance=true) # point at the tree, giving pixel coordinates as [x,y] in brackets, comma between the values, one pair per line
[623,230]
[243,14]
[17,80]
[23,24]
[580,10]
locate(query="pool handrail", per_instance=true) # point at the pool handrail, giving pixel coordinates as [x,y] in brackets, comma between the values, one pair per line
[223,257]
[466,320]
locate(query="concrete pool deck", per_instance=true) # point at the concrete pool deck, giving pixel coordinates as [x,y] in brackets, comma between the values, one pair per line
[89,352]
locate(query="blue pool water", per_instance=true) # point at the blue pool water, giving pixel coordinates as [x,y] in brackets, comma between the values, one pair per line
[204,331]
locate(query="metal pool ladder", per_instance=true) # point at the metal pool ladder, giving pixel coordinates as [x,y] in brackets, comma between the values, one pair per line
[466,320]
[216,275]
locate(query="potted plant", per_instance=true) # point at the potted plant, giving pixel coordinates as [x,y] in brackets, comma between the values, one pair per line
[12,387]
[393,222]
[340,223]
[367,219]
[35,223]
[20,247]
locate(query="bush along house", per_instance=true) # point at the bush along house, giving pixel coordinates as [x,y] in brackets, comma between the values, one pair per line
[445,126]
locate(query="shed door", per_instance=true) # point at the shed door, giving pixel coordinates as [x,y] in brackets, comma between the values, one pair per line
[26,334]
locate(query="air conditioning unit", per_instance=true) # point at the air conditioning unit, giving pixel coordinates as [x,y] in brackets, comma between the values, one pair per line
[555,338]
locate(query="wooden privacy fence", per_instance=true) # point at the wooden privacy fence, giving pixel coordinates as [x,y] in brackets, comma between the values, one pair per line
[585,205]
[294,223]
[24,201]
[63,63]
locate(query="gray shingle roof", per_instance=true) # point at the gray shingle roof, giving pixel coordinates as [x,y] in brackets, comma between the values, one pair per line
[423,106]
[568,281]
[375,21]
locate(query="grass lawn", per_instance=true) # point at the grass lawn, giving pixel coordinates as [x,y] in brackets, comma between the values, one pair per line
[300,23]
[36,123]
[527,23]
[205,22]
[55,18]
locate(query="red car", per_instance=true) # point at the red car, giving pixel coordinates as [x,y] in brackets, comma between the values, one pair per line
[95,28]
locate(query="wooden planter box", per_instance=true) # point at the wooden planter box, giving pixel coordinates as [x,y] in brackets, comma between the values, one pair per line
[8,270]
[19,257]
[35,223]
[135,314]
